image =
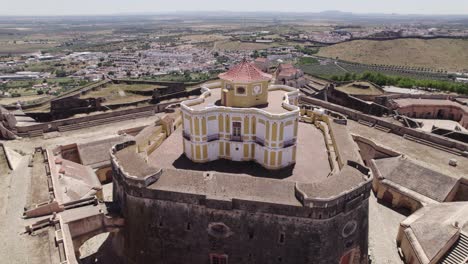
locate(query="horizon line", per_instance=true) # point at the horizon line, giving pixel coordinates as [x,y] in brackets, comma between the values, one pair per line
[175,12]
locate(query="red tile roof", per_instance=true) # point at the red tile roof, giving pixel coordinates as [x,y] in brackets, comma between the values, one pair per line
[245,72]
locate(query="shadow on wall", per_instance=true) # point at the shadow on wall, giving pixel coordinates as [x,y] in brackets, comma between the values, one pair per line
[227,166]
[101,249]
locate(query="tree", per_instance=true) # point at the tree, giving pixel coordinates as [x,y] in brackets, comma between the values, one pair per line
[255,54]
[60,73]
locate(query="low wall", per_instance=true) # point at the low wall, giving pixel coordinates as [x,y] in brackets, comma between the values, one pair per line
[54,125]
[396,129]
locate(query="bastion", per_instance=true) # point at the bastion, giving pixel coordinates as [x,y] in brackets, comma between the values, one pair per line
[183,205]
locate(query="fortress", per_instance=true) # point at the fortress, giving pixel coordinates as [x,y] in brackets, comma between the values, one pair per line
[248,172]
[243,181]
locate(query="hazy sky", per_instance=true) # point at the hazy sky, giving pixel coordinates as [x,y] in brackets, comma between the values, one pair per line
[92,7]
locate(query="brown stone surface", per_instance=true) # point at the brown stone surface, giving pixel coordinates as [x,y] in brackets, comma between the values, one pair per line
[435,225]
[227,186]
[434,159]
[96,153]
[413,176]
[133,164]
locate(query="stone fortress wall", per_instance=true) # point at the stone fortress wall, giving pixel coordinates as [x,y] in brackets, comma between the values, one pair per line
[321,228]
[451,145]
[441,107]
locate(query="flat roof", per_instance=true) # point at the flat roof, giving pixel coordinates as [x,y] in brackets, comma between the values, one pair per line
[408,173]
[275,101]
[435,159]
[405,102]
[312,163]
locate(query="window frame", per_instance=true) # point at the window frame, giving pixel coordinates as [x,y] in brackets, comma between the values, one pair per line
[237,128]
[218,258]
[241,94]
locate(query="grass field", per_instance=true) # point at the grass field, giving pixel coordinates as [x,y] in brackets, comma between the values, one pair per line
[10,48]
[11,100]
[447,54]
[118,93]
[354,90]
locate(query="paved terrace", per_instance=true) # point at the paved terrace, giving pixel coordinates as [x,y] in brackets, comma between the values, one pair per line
[312,163]
[275,101]
[225,180]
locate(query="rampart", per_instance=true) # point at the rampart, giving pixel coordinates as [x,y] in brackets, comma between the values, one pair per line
[459,147]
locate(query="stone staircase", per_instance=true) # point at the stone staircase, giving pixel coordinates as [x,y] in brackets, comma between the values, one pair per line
[104,121]
[458,254]
[434,145]
[308,90]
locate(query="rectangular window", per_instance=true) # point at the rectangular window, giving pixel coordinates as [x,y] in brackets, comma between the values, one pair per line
[218,259]
[236,129]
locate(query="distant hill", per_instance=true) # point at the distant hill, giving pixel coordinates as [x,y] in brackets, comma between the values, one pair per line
[448,54]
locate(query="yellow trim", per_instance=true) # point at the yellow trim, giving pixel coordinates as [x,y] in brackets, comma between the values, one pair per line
[281,135]
[205,152]
[289,123]
[221,123]
[221,148]
[261,121]
[252,151]
[246,150]
[236,118]
[192,152]
[228,125]
[197,126]
[280,158]
[272,158]
[246,125]
[274,131]
[197,152]
[204,126]
[265,157]
[211,118]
